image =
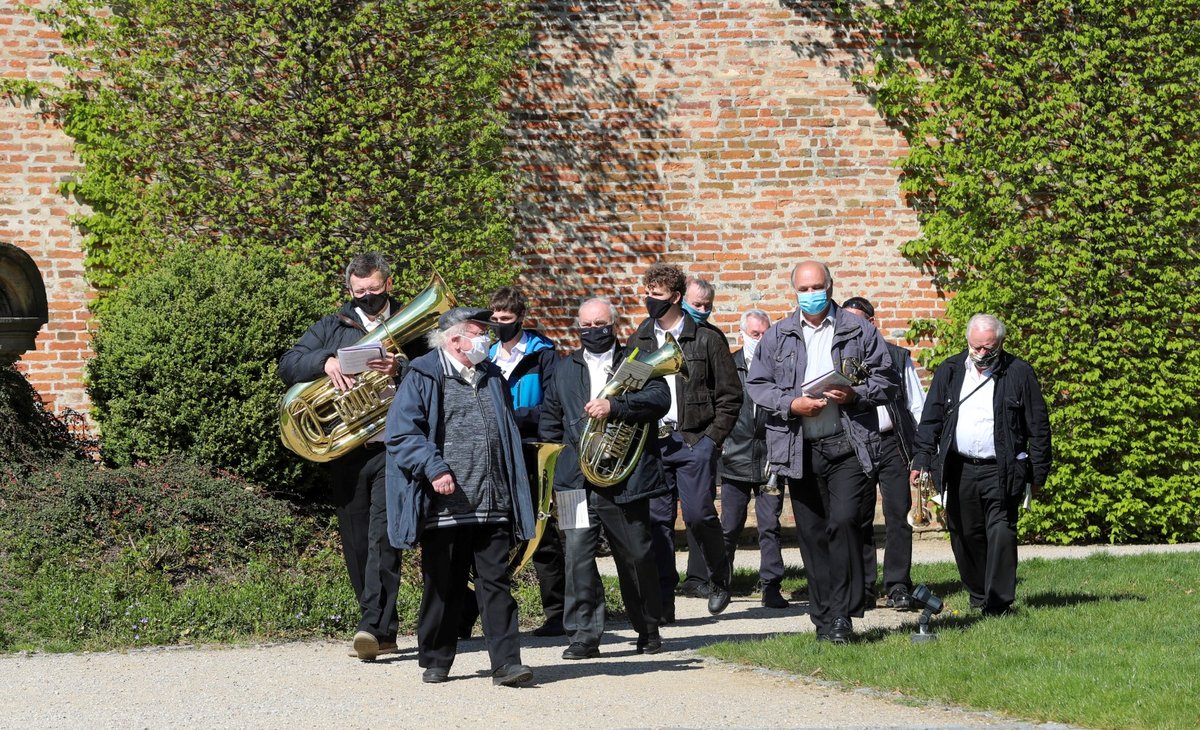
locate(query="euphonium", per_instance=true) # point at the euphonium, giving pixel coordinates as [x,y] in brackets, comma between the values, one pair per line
[321,424]
[608,452]
[919,515]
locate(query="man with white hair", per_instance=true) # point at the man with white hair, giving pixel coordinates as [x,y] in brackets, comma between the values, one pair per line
[457,485]
[985,431]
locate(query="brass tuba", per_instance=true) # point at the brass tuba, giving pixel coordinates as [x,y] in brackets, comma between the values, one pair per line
[920,515]
[608,452]
[321,424]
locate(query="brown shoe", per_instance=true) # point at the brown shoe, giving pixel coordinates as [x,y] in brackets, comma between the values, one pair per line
[366,646]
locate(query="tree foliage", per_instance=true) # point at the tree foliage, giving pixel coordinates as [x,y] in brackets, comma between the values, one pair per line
[186,362]
[1055,165]
[319,127]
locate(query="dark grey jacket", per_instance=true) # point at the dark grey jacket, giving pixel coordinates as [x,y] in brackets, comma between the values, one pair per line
[744,454]
[778,372]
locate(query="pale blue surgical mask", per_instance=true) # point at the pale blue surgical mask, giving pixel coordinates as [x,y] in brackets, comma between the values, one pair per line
[696,314]
[813,302]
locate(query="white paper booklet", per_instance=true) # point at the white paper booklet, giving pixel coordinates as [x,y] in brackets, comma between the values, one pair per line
[353,359]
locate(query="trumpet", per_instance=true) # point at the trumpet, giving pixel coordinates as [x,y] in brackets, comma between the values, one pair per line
[920,514]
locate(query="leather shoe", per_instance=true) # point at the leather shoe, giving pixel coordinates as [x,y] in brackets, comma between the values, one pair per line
[649,643]
[822,635]
[580,650]
[435,675]
[552,627]
[899,599]
[772,598]
[510,675]
[718,600]
[366,646]
[841,630]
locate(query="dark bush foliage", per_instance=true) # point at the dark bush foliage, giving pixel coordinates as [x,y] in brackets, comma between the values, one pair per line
[186,362]
[29,432]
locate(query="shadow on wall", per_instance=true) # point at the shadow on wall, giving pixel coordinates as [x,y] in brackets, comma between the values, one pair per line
[589,144]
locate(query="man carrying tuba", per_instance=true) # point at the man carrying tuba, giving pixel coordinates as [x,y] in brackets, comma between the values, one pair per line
[574,402]
[356,480]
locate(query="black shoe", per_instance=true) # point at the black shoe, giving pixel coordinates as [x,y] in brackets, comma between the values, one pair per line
[772,598]
[822,635]
[718,600]
[552,627]
[841,631]
[435,675]
[580,650]
[649,643]
[510,675]
[899,599]
[696,590]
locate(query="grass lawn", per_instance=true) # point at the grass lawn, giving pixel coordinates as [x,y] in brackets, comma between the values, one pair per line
[1108,642]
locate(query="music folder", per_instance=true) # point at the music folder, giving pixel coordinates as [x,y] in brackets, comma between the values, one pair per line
[353,359]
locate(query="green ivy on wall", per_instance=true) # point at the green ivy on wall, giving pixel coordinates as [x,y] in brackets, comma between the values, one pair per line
[1054,163]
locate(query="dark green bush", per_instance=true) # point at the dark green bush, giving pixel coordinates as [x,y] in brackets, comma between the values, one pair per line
[29,432]
[186,362]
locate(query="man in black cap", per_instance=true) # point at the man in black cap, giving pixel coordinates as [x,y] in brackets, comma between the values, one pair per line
[898,420]
[457,485]
[356,480]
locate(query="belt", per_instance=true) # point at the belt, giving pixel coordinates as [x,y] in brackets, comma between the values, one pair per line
[974,459]
[374,445]
[665,430]
[823,439]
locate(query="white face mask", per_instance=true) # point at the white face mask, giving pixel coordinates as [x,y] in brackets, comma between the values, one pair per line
[479,349]
[748,347]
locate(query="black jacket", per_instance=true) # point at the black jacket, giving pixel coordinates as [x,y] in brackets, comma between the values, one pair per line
[563,421]
[897,407]
[709,400]
[306,360]
[744,454]
[1022,424]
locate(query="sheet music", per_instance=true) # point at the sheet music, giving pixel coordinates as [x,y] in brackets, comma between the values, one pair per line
[572,509]
[353,359]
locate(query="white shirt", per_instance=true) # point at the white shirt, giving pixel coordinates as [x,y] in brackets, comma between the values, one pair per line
[818,346]
[916,399]
[508,362]
[975,433]
[600,369]
[372,324]
[672,416]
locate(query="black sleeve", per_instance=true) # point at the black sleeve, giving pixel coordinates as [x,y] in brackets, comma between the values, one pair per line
[306,360]
[933,416]
[643,406]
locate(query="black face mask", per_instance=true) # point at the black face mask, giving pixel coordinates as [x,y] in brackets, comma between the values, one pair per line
[597,340]
[656,308]
[505,332]
[372,304]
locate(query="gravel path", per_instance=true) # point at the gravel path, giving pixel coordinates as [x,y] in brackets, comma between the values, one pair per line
[316,684]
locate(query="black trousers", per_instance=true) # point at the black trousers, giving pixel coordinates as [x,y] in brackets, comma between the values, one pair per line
[892,475]
[982,518]
[446,556]
[735,500]
[359,500]
[828,504]
[628,530]
[691,473]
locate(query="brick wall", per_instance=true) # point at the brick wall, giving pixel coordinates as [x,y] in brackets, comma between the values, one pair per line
[722,136]
[35,157]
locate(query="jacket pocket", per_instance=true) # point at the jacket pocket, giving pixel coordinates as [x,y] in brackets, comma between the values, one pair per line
[779,443]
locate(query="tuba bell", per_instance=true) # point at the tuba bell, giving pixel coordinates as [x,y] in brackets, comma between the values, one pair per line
[608,452]
[321,424]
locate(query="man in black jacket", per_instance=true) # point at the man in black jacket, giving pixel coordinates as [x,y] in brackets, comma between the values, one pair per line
[704,408]
[744,475]
[898,430]
[985,431]
[571,399]
[356,480]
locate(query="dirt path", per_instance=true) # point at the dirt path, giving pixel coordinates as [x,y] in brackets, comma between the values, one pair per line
[318,685]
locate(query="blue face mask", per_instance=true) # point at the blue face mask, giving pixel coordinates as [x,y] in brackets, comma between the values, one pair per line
[696,314]
[813,302]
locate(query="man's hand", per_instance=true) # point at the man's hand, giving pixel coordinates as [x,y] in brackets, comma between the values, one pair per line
[444,483]
[805,406]
[912,478]
[389,365]
[598,408]
[341,381]
[840,394]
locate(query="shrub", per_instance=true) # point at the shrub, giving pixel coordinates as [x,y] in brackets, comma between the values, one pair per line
[186,362]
